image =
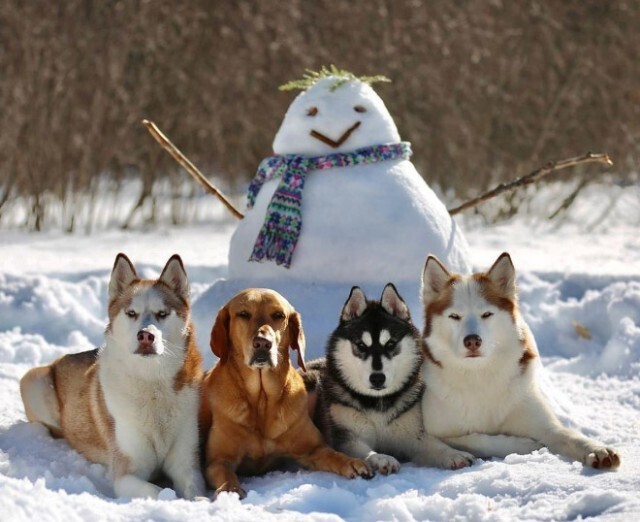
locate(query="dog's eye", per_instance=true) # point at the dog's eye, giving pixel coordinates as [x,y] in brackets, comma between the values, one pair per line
[243,314]
[312,111]
[278,315]
[359,108]
[360,345]
[455,317]
[486,315]
[131,313]
[162,314]
[391,344]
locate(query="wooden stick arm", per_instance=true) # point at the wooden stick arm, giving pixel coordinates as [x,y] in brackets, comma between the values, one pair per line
[532,177]
[189,167]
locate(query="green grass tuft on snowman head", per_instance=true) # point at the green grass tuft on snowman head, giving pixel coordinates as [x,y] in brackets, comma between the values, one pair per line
[310,78]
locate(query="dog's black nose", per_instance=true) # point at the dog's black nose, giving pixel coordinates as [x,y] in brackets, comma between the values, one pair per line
[472,342]
[377,380]
[260,343]
[145,337]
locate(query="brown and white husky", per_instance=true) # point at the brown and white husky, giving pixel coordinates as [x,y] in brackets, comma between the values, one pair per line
[133,403]
[480,372]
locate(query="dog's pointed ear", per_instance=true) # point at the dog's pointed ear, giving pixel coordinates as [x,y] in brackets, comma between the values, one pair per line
[220,335]
[503,275]
[298,341]
[122,275]
[393,303]
[434,279]
[355,306]
[175,277]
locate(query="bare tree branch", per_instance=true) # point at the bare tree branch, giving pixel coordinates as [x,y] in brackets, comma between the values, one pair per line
[532,177]
[189,167]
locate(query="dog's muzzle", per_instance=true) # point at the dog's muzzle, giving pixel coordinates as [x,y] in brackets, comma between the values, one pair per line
[145,343]
[472,343]
[261,352]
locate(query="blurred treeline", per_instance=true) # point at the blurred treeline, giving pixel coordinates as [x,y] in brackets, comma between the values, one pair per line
[484,90]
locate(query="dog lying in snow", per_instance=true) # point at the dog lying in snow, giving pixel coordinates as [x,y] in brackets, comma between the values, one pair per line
[254,401]
[479,370]
[369,389]
[132,404]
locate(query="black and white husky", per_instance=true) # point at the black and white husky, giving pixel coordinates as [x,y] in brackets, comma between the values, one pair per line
[369,389]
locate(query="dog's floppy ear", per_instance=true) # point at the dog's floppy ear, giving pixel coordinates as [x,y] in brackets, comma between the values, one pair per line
[122,275]
[355,306]
[503,275]
[434,279]
[175,277]
[393,303]
[220,335]
[298,342]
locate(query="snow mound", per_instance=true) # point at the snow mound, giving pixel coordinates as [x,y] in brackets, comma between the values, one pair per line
[594,330]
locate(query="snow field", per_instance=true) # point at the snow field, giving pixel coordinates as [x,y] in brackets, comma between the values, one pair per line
[53,301]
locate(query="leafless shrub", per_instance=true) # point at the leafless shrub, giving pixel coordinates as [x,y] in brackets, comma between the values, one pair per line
[484,90]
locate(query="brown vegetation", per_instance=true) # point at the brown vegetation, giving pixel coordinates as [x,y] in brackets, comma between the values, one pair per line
[485,91]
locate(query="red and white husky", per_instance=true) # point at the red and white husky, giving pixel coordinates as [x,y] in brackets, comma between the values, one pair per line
[132,404]
[480,372]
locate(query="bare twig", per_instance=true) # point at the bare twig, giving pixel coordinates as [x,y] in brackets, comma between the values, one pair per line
[568,201]
[189,167]
[533,177]
[144,194]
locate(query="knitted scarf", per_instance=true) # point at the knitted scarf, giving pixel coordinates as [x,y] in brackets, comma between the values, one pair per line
[283,221]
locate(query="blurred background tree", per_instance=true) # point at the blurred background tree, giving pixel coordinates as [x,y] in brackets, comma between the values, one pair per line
[485,91]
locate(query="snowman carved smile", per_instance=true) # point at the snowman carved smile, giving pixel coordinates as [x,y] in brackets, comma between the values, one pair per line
[341,140]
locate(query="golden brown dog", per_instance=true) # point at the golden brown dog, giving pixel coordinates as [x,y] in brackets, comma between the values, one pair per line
[254,403]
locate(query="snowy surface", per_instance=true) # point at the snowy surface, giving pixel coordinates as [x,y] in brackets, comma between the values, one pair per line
[583,270]
[365,223]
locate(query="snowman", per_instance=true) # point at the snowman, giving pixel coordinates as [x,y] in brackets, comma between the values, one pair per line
[340,201]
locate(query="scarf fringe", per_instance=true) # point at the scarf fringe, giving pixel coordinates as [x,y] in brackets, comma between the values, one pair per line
[274,243]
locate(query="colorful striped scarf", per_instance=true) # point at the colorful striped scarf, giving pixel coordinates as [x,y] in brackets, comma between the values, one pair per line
[283,221]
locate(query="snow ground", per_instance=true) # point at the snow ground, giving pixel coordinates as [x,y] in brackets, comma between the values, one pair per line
[582,270]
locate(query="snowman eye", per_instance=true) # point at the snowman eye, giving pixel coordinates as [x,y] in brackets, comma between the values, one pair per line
[359,108]
[312,111]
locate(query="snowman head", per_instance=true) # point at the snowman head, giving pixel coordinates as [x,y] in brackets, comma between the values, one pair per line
[335,114]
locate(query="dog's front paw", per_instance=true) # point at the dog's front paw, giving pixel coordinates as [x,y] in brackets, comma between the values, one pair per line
[193,490]
[230,488]
[456,460]
[602,458]
[385,464]
[357,468]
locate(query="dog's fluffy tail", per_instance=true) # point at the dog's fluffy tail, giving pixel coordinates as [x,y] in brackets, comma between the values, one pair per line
[38,393]
[313,376]
[313,383]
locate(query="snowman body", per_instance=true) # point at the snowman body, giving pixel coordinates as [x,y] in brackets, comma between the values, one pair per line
[364,223]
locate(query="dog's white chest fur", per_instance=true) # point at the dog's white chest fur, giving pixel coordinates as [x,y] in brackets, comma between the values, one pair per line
[461,402]
[148,414]
[380,430]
